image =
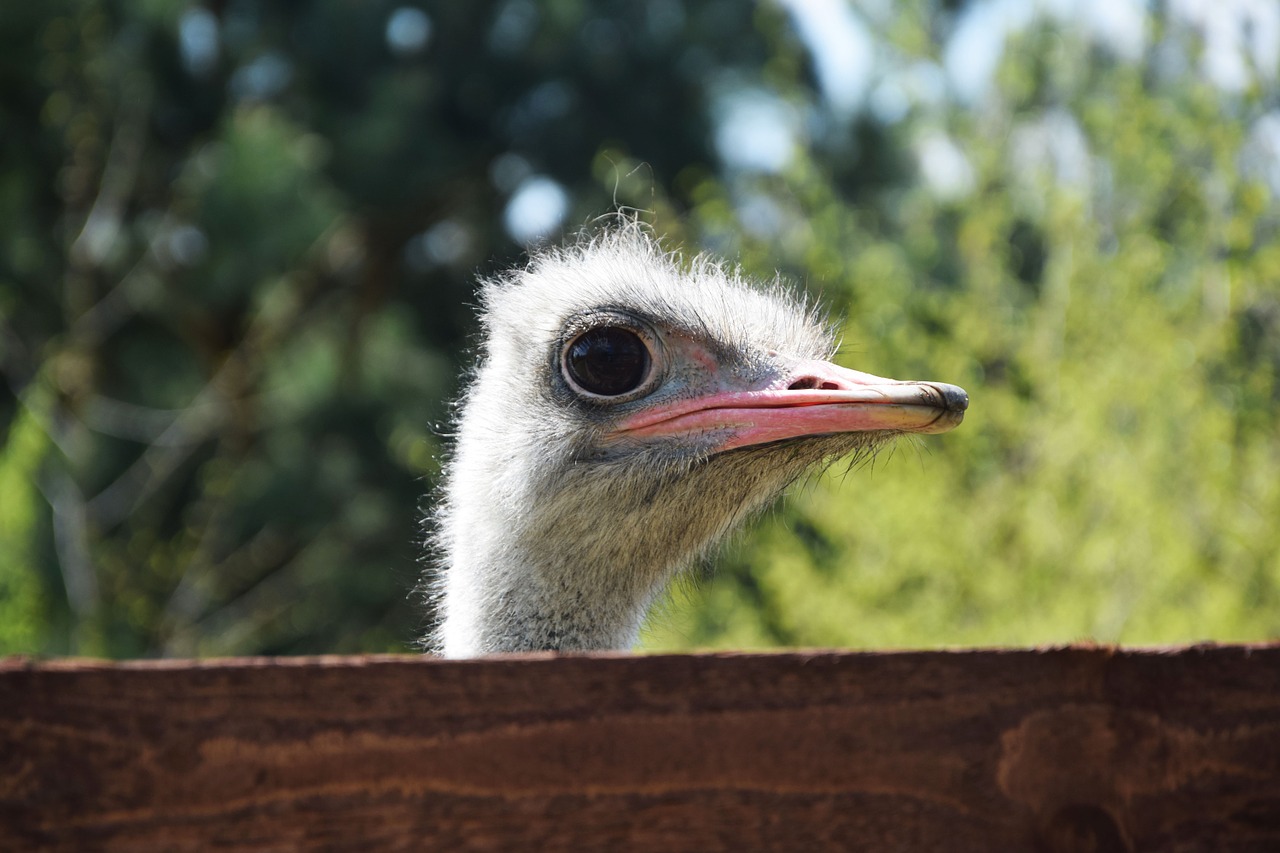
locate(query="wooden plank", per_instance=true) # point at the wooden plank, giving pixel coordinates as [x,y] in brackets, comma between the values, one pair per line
[1068,749]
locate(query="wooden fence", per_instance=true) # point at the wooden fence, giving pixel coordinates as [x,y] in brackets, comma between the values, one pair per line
[1069,749]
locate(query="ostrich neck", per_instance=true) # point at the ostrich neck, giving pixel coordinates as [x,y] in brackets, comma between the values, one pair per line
[572,561]
[530,595]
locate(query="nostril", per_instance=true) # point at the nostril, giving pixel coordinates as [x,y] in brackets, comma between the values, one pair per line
[809,383]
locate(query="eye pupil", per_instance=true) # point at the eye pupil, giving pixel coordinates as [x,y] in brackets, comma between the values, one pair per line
[608,360]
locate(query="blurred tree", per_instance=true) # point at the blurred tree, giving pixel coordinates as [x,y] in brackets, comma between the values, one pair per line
[1089,254]
[240,241]
[234,284]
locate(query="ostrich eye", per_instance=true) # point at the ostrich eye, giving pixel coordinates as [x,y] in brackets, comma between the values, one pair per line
[607,361]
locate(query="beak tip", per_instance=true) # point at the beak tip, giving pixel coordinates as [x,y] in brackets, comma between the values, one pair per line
[954,402]
[954,398]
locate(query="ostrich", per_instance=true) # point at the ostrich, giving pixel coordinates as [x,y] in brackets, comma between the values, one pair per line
[625,414]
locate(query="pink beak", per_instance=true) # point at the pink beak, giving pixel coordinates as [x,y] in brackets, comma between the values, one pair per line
[821,399]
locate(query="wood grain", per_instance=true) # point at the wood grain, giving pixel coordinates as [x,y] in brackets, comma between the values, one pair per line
[1068,749]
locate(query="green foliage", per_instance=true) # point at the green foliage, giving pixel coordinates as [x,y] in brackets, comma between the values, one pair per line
[21,596]
[1116,477]
[239,248]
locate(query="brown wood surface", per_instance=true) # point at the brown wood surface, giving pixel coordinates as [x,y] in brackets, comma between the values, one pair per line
[1068,749]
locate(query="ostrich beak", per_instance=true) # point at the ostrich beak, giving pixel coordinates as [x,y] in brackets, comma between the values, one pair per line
[819,398]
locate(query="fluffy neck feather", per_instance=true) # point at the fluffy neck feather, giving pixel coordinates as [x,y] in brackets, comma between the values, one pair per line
[579,567]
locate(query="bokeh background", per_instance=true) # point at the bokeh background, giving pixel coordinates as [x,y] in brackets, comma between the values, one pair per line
[239,240]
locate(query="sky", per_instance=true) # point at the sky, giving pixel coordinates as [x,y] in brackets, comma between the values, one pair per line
[1240,36]
[856,71]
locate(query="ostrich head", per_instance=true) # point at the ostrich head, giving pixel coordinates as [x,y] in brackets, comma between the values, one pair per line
[626,413]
